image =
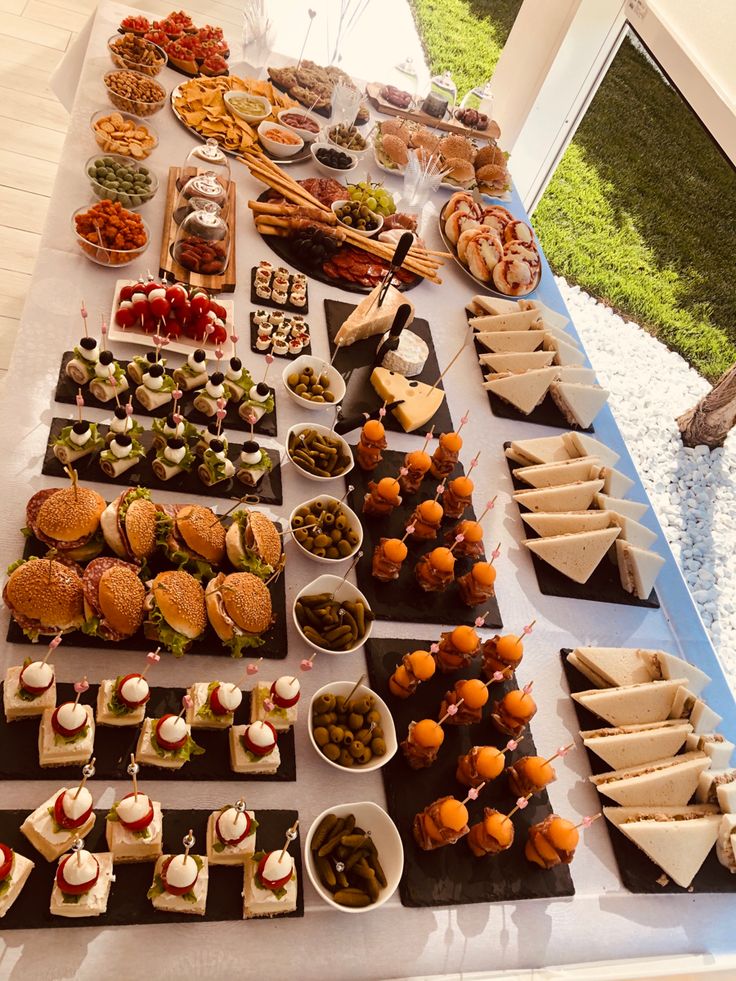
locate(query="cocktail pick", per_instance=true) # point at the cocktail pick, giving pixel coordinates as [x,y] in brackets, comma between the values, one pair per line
[474,792]
[129,406]
[458,539]
[238,502]
[269,362]
[74,477]
[561,751]
[427,438]
[220,413]
[451,710]
[290,836]
[528,628]
[306,664]
[186,703]
[53,644]
[473,465]
[234,340]
[466,417]
[88,771]
[312,15]
[353,564]
[409,530]
[188,842]
[495,553]
[443,373]
[353,690]
[236,684]
[79,399]
[80,687]
[480,620]
[114,384]
[521,803]
[132,771]
[77,846]
[84,315]
[153,657]
[440,490]
[176,395]
[50,555]
[103,333]
[587,821]
[253,666]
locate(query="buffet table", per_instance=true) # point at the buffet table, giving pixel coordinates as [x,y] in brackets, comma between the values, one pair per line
[602,920]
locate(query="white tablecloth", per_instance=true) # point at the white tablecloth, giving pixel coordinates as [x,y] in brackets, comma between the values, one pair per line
[602,920]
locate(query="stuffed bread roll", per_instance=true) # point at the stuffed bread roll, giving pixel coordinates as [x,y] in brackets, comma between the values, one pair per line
[122,453]
[237,379]
[166,426]
[254,462]
[193,373]
[258,402]
[140,364]
[207,398]
[122,422]
[215,466]
[174,458]
[109,379]
[156,388]
[81,368]
[77,441]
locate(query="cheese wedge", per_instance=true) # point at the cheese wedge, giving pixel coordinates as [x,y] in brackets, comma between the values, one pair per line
[612,667]
[713,784]
[632,509]
[420,401]
[551,474]
[524,390]
[615,483]
[551,317]
[632,531]
[510,341]
[369,319]
[670,781]
[580,444]
[480,305]
[575,556]
[671,666]
[543,449]
[714,745]
[579,404]
[576,496]
[631,705]
[678,841]
[566,352]
[627,746]
[637,568]
[548,523]
[519,320]
[678,847]
[703,718]
[576,373]
[517,362]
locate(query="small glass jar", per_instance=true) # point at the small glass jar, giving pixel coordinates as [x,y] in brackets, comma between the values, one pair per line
[209,157]
[205,188]
[203,242]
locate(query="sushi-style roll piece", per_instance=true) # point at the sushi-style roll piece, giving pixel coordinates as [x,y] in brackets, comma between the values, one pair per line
[109,379]
[76,441]
[193,373]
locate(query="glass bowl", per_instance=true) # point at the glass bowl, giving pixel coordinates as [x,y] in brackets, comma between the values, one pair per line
[128,197]
[123,133]
[131,101]
[123,61]
[103,255]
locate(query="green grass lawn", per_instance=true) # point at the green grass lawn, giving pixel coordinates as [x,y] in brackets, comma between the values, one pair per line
[642,209]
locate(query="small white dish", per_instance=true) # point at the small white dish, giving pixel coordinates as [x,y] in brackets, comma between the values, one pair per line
[325,168]
[320,367]
[276,149]
[249,117]
[342,590]
[323,431]
[353,521]
[368,233]
[387,724]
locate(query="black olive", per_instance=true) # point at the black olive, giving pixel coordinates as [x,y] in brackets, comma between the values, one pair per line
[106,358]
[156,370]
[170,421]
[216,445]
[122,439]
[200,354]
[80,428]
[175,442]
[236,364]
[120,412]
[217,378]
[250,446]
[87,343]
[262,389]
[152,357]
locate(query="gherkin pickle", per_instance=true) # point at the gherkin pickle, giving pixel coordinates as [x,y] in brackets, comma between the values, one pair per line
[346,861]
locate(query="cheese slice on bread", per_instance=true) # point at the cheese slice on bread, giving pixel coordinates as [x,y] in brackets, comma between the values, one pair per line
[513,361]
[524,390]
[576,556]
[632,509]
[519,320]
[549,523]
[510,341]
[615,483]
[637,568]
[566,472]
[626,746]
[628,705]
[577,496]
[632,531]
[670,781]
[579,404]
[543,449]
[580,444]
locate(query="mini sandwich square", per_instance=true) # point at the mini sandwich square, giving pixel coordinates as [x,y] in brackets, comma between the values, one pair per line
[280,718]
[219,854]
[199,715]
[258,901]
[55,750]
[194,902]
[243,761]
[92,903]
[148,752]
[41,829]
[22,706]
[111,712]
[19,872]
[135,846]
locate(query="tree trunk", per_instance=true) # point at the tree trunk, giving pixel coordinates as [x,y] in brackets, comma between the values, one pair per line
[710,421]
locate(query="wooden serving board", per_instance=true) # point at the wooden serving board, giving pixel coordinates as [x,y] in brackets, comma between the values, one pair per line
[373,89]
[168,266]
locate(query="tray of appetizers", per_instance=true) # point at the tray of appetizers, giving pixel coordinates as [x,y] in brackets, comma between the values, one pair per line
[391,101]
[118,876]
[586,541]
[164,577]
[493,248]
[410,372]
[458,849]
[218,468]
[170,742]
[152,390]
[424,575]
[662,770]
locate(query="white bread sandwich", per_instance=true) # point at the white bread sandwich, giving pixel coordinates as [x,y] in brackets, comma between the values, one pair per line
[524,390]
[626,746]
[550,317]
[609,667]
[717,787]
[566,350]
[577,374]
[576,496]
[276,703]
[29,690]
[726,842]
[632,531]
[516,361]
[82,884]
[714,745]
[134,829]
[677,839]
[615,483]
[269,884]
[180,884]
[213,704]
[548,523]
[510,342]
[703,718]
[254,748]
[580,444]
[551,474]
[578,403]
[543,449]
[54,825]
[480,305]
[166,743]
[231,834]
[14,871]
[637,568]
[671,781]
[517,321]
[576,556]
[66,735]
[630,705]
[631,509]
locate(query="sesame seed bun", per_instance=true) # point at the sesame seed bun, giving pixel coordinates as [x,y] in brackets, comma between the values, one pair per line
[70,514]
[140,528]
[395,149]
[460,170]
[490,155]
[201,532]
[120,597]
[46,596]
[241,598]
[252,531]
[457,146]
[180,599]
[398,128]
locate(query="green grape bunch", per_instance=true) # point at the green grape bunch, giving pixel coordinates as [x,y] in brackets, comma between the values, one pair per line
[374,196]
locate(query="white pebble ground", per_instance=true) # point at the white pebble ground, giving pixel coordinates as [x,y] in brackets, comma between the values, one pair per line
[693,490]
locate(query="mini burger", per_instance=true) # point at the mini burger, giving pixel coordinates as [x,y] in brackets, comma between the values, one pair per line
[459,171]
[44,597]
[192,537]
[254,544]
[239,609]
[175,611]
[68,520]
[129,524]
[113,599]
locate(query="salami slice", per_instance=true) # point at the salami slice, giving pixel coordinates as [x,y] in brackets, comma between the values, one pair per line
[34,506]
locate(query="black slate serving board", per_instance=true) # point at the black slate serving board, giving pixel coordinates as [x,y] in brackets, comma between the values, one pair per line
[114,744]
[355,364]
[127,903]
[603,586]
[307,349]
[275,647]
[66,392]
[453,875]
[269,489]
[287,307]
[403,598]
[638,873]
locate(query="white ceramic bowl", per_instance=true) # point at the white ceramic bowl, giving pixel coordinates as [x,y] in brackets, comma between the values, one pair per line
[256,117]
[384,833]
[321,367]
[387,724]
[343,590]
[327,133]
[323,431]
[331,171]
[368,233]
[306,134]
[281,150]
[353,520]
